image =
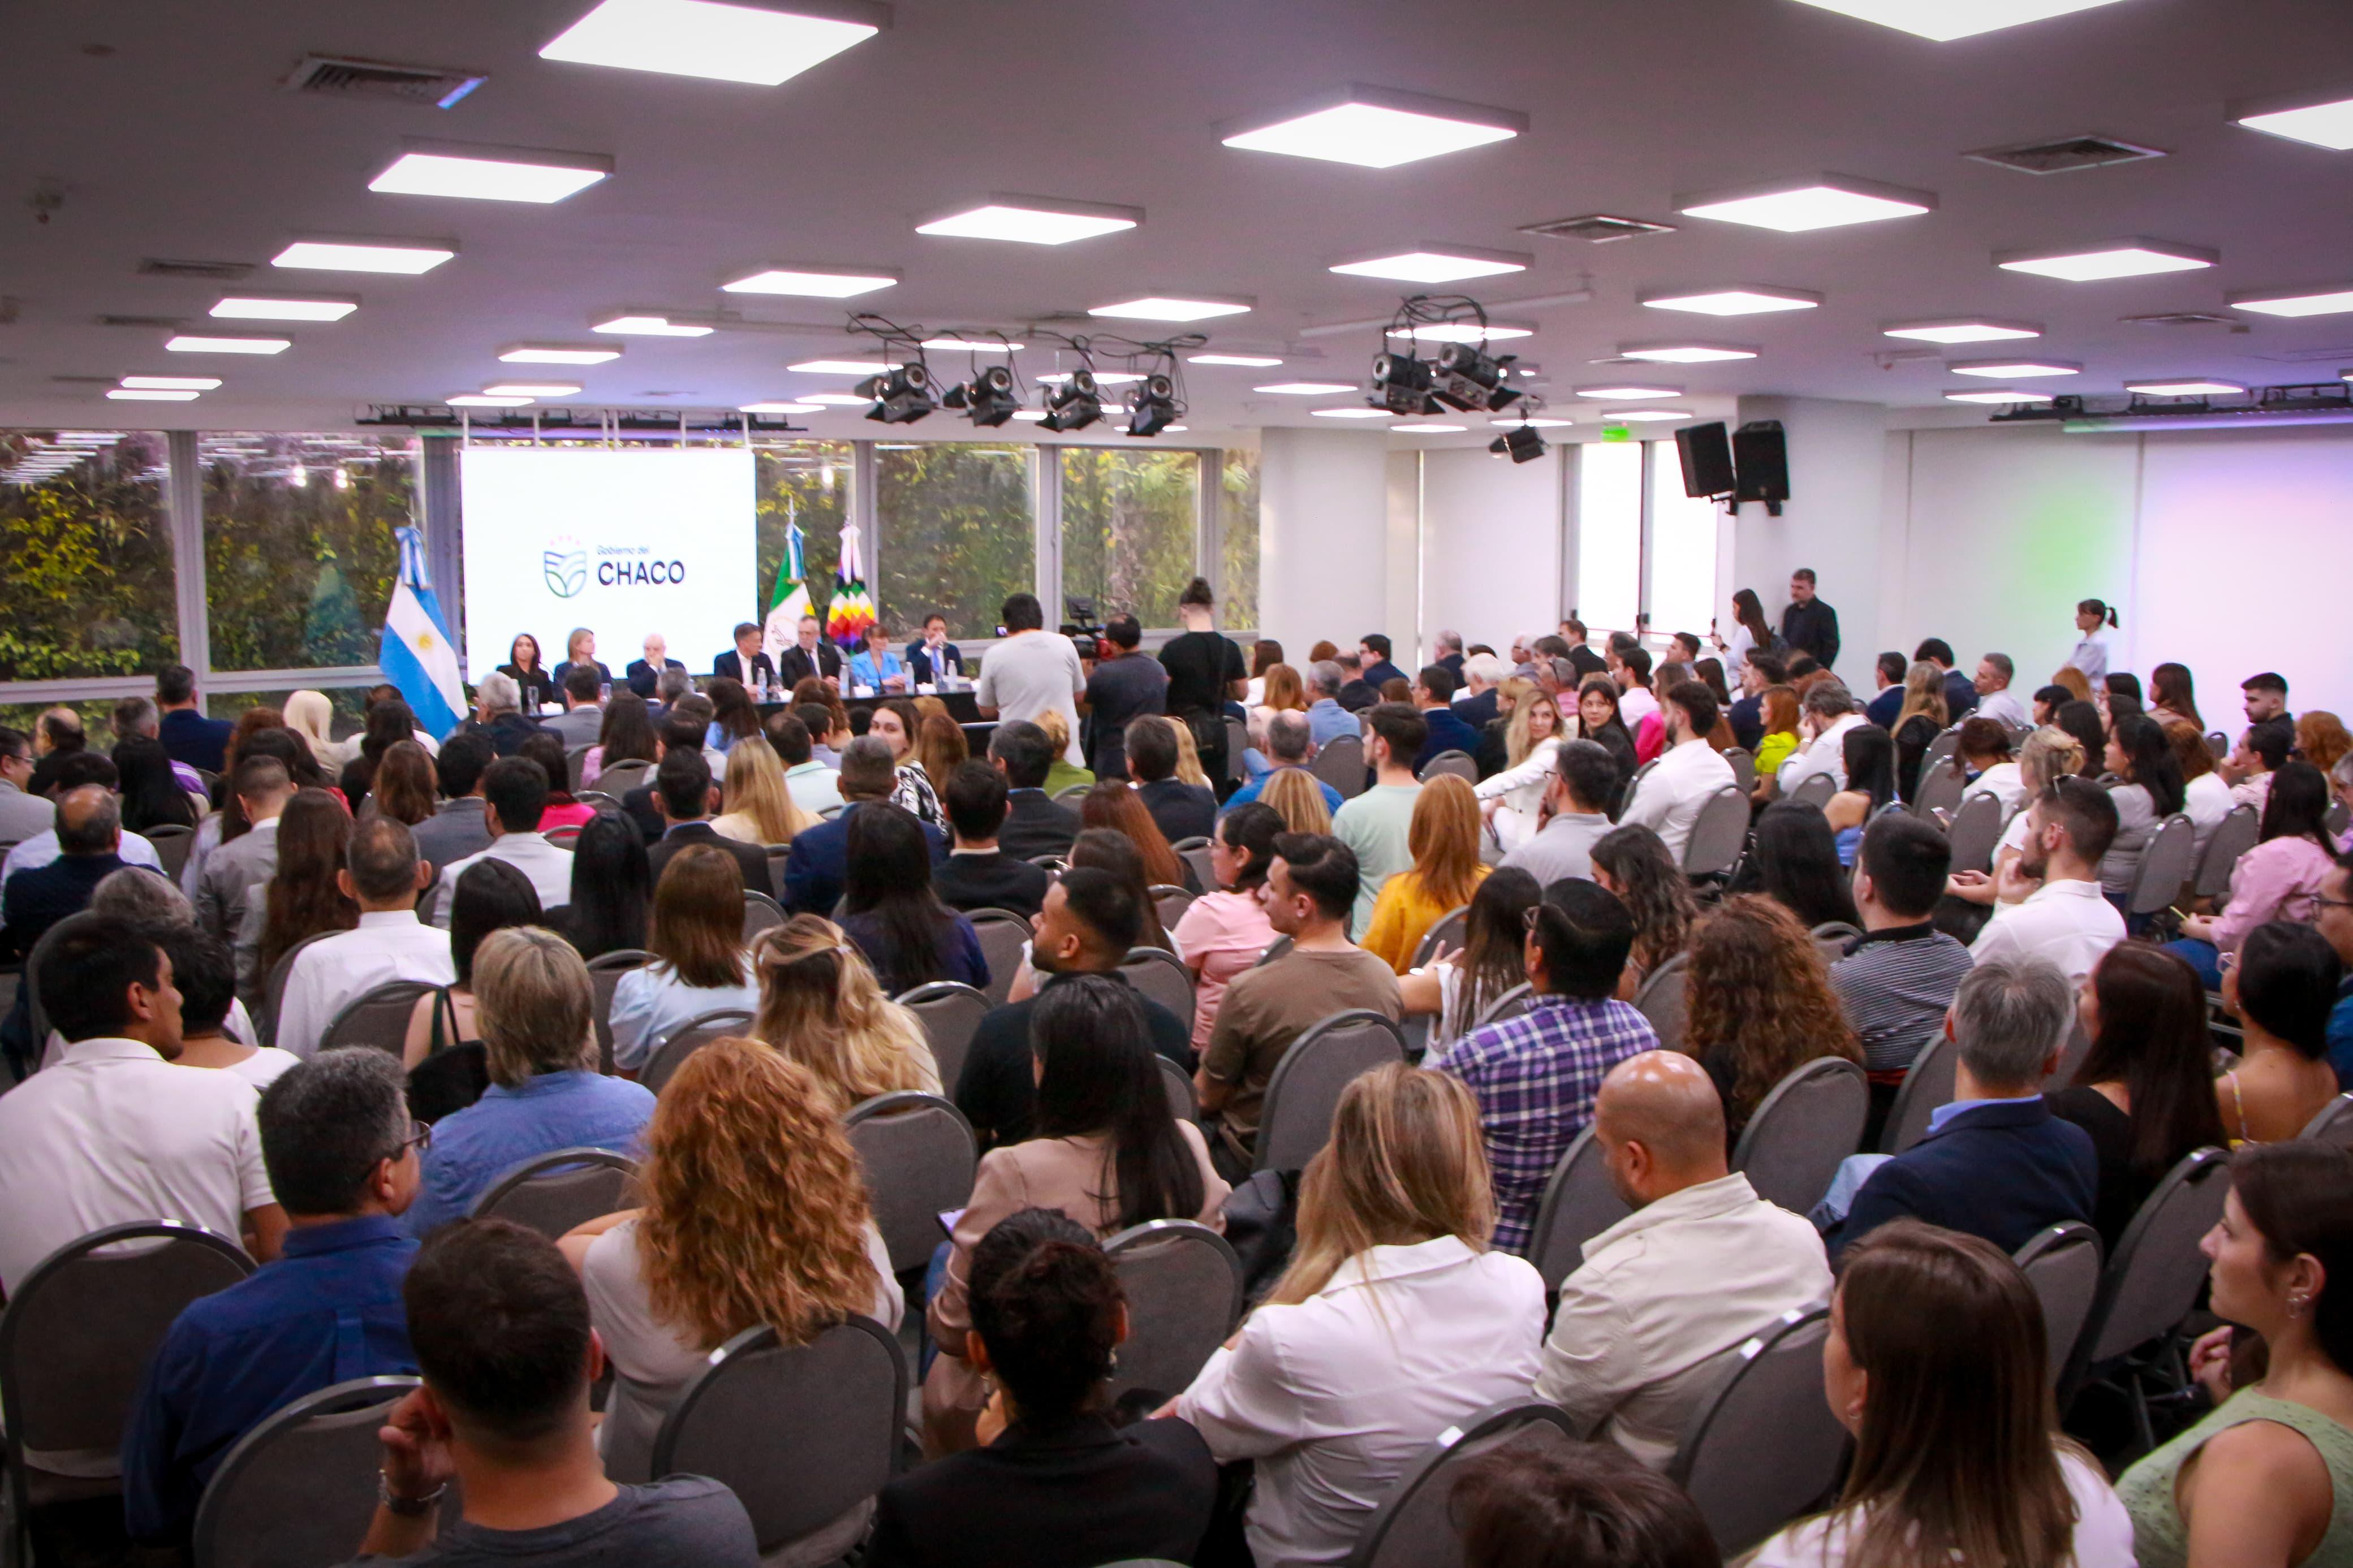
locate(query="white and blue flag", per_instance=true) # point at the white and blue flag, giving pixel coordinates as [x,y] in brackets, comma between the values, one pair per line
[417,655]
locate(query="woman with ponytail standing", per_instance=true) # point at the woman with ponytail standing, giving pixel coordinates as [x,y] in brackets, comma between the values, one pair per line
[2094,620]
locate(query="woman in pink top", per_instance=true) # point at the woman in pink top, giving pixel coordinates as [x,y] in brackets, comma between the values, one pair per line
[2278,880]
[1225,932]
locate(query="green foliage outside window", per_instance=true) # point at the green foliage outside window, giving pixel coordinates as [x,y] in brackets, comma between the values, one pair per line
[86,559]
[297,576]
[1128,523]
[956,535]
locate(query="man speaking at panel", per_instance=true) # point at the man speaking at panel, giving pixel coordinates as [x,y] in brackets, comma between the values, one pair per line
[745,662]
[811,655]
[646,671]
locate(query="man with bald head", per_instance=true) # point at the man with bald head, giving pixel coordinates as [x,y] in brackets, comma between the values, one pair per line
[89,836]
[1701,1265]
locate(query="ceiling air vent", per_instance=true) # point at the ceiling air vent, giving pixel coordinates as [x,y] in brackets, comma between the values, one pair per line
[212,271]
[336,76]
[168,323]
[1597,228]
[2066,154]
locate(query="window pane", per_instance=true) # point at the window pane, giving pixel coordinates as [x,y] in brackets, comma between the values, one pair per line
[957,534]
[1608,534]
[1240,611]
[805,483]
[300,557]
[1128,525]
[350,703]
[1683,549]
[86,552]
[97,721]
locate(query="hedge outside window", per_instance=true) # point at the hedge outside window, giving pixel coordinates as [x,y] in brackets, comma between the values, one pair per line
[956,535]
[1129,519]
[300,557]
[1239,612]
[86,552]
[807,483]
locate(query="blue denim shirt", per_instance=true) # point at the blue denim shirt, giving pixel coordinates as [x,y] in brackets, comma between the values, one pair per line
[507,1126]
[2340,1037]
[1327,722]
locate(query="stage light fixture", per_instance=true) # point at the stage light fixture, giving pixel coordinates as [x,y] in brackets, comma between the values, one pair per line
[901,396]
[1520,443]
[1467,379]
[1155,408]
[1074,406]
[1404,383]
[987,399]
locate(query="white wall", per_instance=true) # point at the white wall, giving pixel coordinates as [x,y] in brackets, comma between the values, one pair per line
[1323,537]
[1831,521]
[1490,545]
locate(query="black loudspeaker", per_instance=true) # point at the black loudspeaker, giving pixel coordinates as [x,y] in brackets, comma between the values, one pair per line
[1706,455]
[1764,459]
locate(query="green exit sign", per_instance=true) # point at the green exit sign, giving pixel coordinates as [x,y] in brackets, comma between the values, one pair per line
[1616,433]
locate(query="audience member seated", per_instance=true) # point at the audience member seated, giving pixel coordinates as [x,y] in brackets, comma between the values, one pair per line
[532,1003]
[262,789]
[1091,920]
[340,1152]
[1035,824]
[110,1134]
[498,715]
[1588,1504]
[1063,774]
[1055,1485]
[1445,873]
[1633,864]
[205,977]
[1761,1004]
[1535,1075]
[1104,1149]
[889,910]
[90,834]
[2144,1091]
[380,879]
[896,722]
[752,1213]
[1996,1162]
[1460,983]
[403,786]
[1376,825]
[1794,861]
[2083,720]
[1289,749]
[22,814]
[2263,1479]
[682,791]
[760,808]
[1327,719]
[1123,855]
[562,809]
[1516,774]
[1433,698]
[1981,758]
[2205,795]
[1179,810]
[612,886]
[1935,1365]
[1319,1387]
[1575,802]
[977,873]
[1869,792]
[1309,889]
[2261,750]
[1896,982]
[2279,879]
[186,733]
[1826,713]
[2138,753]
[303,896]
[1917,723]
[821,1006]
[1995,700]
[2281,991]
[626,735]
[696,935]
[514,791]
[488,897]
[2064,920]
[582,723]
[1689,772]
[1643,1325]
[1225,931]
[810,783]
[151,794]
[58,734]
[460,826]
[816,869]
[2044,756]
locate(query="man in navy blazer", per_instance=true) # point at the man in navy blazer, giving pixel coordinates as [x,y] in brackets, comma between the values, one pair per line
[1996,1163]
[934,655]
[1433,693]
[816,871]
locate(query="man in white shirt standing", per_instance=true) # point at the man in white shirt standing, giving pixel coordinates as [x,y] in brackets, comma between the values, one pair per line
[263,787]
[1995,699]
[111,1133]
[1829,713]
[514,797]
[1029,670]
[1687,774]
[382,875]
[1701,1264]
[2066,921]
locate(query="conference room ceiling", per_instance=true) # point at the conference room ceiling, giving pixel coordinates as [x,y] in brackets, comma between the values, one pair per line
[143,129]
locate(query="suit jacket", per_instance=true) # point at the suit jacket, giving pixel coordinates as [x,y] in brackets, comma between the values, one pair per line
[1179,809]
[1587,662]
[506,733]
[919,662]
[1960,696]
[731,665]
[793,666]
[191,738]
[227,872]
[642,676]
[1447,733]
[751,859]
[637,805]
[1035,824]
[1812,629]
[2002,1171]
[816,872]
[38,899]
[997,1090]
[997,882]
[455,831]
[604,676]
[1479,712]
[577,727]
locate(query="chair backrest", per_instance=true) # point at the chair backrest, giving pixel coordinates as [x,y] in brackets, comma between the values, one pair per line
[761,914]
[1161,975]
[803,1435]
[1928,1085]
[662,1059]
[1940,787]
[1939,752]
[1762,1448]
[377,1016]
[38,959]
[2339,818]
[2218,743]
[1340,762]
[1237,742]
[1579,1205]
[778,854]
[1194,853]
[1184,1297]
[1459,764]
[2165,864]
[1073,791]
[1510,1004]
[2334,1124]
[2236,833]
[1170,902]
[619,778]
[1976,829]
[300,1487]
[78,1333]
[1305,1088]
[920,1157]
[1001,933]
[1634,784]
[596,800]
[1744,768]
[1719,835]
[172,844]
[1664,1000]
[273,986]
[563,837]
[576,759]
[1274,950]
[554,1192]
[2063,1263]
[1815,790]
[2152,1280]
[1812,1119]
[604,972]
[1182,1103]
[1449,930]
[950,1011]
[1830,938]
[1413,1525]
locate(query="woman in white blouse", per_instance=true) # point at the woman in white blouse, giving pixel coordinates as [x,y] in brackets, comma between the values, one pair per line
[1393,1322]
[1512,798]
[1935,1364]
[2093,618]
[697,938]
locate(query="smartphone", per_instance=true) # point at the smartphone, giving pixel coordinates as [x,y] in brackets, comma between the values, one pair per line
[947,1218]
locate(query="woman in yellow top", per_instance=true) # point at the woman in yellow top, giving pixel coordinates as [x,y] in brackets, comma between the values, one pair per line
[1779,707]
[1444,840]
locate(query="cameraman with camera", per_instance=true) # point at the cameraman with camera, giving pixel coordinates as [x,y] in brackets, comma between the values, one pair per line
[1127,683]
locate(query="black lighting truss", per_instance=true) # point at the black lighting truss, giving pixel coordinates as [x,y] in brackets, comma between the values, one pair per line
[2253,405]
[1461,375]
[572,423]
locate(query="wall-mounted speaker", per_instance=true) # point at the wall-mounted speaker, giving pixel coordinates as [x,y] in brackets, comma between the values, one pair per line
[1706,454]
[1762,455]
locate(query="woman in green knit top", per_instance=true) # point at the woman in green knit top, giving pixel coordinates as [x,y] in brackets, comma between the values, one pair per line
[2267,1478]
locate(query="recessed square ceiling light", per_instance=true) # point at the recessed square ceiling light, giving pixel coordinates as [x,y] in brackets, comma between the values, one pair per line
[1944,20]
[2135,257]
[649,325]
[488,173]
[1799,206]
[779,408]
[977,345]
[843,367]
[1103,377]
[1461,332]
[404,256]
[188,344]
[2003,394]
[486,399]
[532,389]
[1307,388]
[150,395]
[837,399]
[2186,386]
[1433,263]
[1961,329]
[557,354]
[2329,301]
[1686,354]
[1173,308]
[1540,421]
[1643,415]
[171,382]
[2327,124]
[2014,369]
[1742,301]
[1253,361]
[1430,429]
[1375,127]
[760,44]
[1352,412]
[1032,220]
[811,282]
[284,308]
[1629,393]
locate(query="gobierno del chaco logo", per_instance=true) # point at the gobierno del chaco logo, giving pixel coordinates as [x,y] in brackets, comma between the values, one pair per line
[565,563]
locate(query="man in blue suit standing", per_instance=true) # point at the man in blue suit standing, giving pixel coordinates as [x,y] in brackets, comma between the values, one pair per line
[816,871]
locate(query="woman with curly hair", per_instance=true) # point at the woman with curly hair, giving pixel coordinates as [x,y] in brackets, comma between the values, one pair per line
[1761,1002]
[821,1007]
[754,1215]
[1634,863]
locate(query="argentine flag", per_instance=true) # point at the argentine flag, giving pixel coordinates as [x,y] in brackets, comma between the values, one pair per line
[417,655]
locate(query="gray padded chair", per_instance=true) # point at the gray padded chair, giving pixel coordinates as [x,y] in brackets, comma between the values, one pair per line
[1002,933]
[172,844]
[1762,1448]
[576,759]
[2166,863]
[1634,784]
[1719,835]
[1340,762]
[1939,788]
[2150,1283]
[1184,1290]
[604,972]
[1928,1086]
[1664,999]
[1413,1525]
[2334,1124]
[804,1435]
[2238,832]
[1073,791]
[1274,950]
[1830,938]
[1306,1085]
[950,1013]
[1510,1004]
[1194,853]
[1812,1119]
[1161,975]
[299,1489]
[553,1192]
[1448,931]
[2077,1047]
[682,1042]
[1744,768]
[1182,1104]
[563,837]
[761,912]
[1578,1203]
[2063,1263]
[778,854]
[1976,828]
[620,778]
[273,986]
[920,1157]
[1815,790]
[1237,742]
[377,1016]
[1170,902]
[1459,764]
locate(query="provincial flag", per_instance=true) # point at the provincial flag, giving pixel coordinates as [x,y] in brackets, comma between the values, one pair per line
[852,609]
[417,654]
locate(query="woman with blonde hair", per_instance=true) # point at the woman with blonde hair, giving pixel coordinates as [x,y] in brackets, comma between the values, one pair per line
[310,715]
[760,808]
[2078,688]
[2044,757]
[696,936]
[1293,793]
[1511,800]
[939,747]
[1188,755]
[1064,772]
[1393,1321]
[820,1005]
[1761,1002]
[752,1213]
[1444,838]
[1917,723]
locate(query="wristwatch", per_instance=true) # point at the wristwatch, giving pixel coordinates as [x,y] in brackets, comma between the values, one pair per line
[406,1507]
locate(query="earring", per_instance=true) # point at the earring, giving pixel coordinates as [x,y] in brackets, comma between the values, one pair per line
[2297,1303]
[1112,1364]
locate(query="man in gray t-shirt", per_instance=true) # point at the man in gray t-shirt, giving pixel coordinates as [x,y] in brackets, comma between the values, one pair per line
[1584,776]
[1030,670]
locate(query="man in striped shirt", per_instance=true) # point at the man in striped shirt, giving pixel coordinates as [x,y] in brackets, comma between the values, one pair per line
[1897,980]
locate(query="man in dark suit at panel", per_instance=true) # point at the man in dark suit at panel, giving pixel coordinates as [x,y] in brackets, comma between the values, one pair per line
[811,655]
[979,874]
[933,654]
[643,672]
[745,661]
[816,872]
[683,791]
